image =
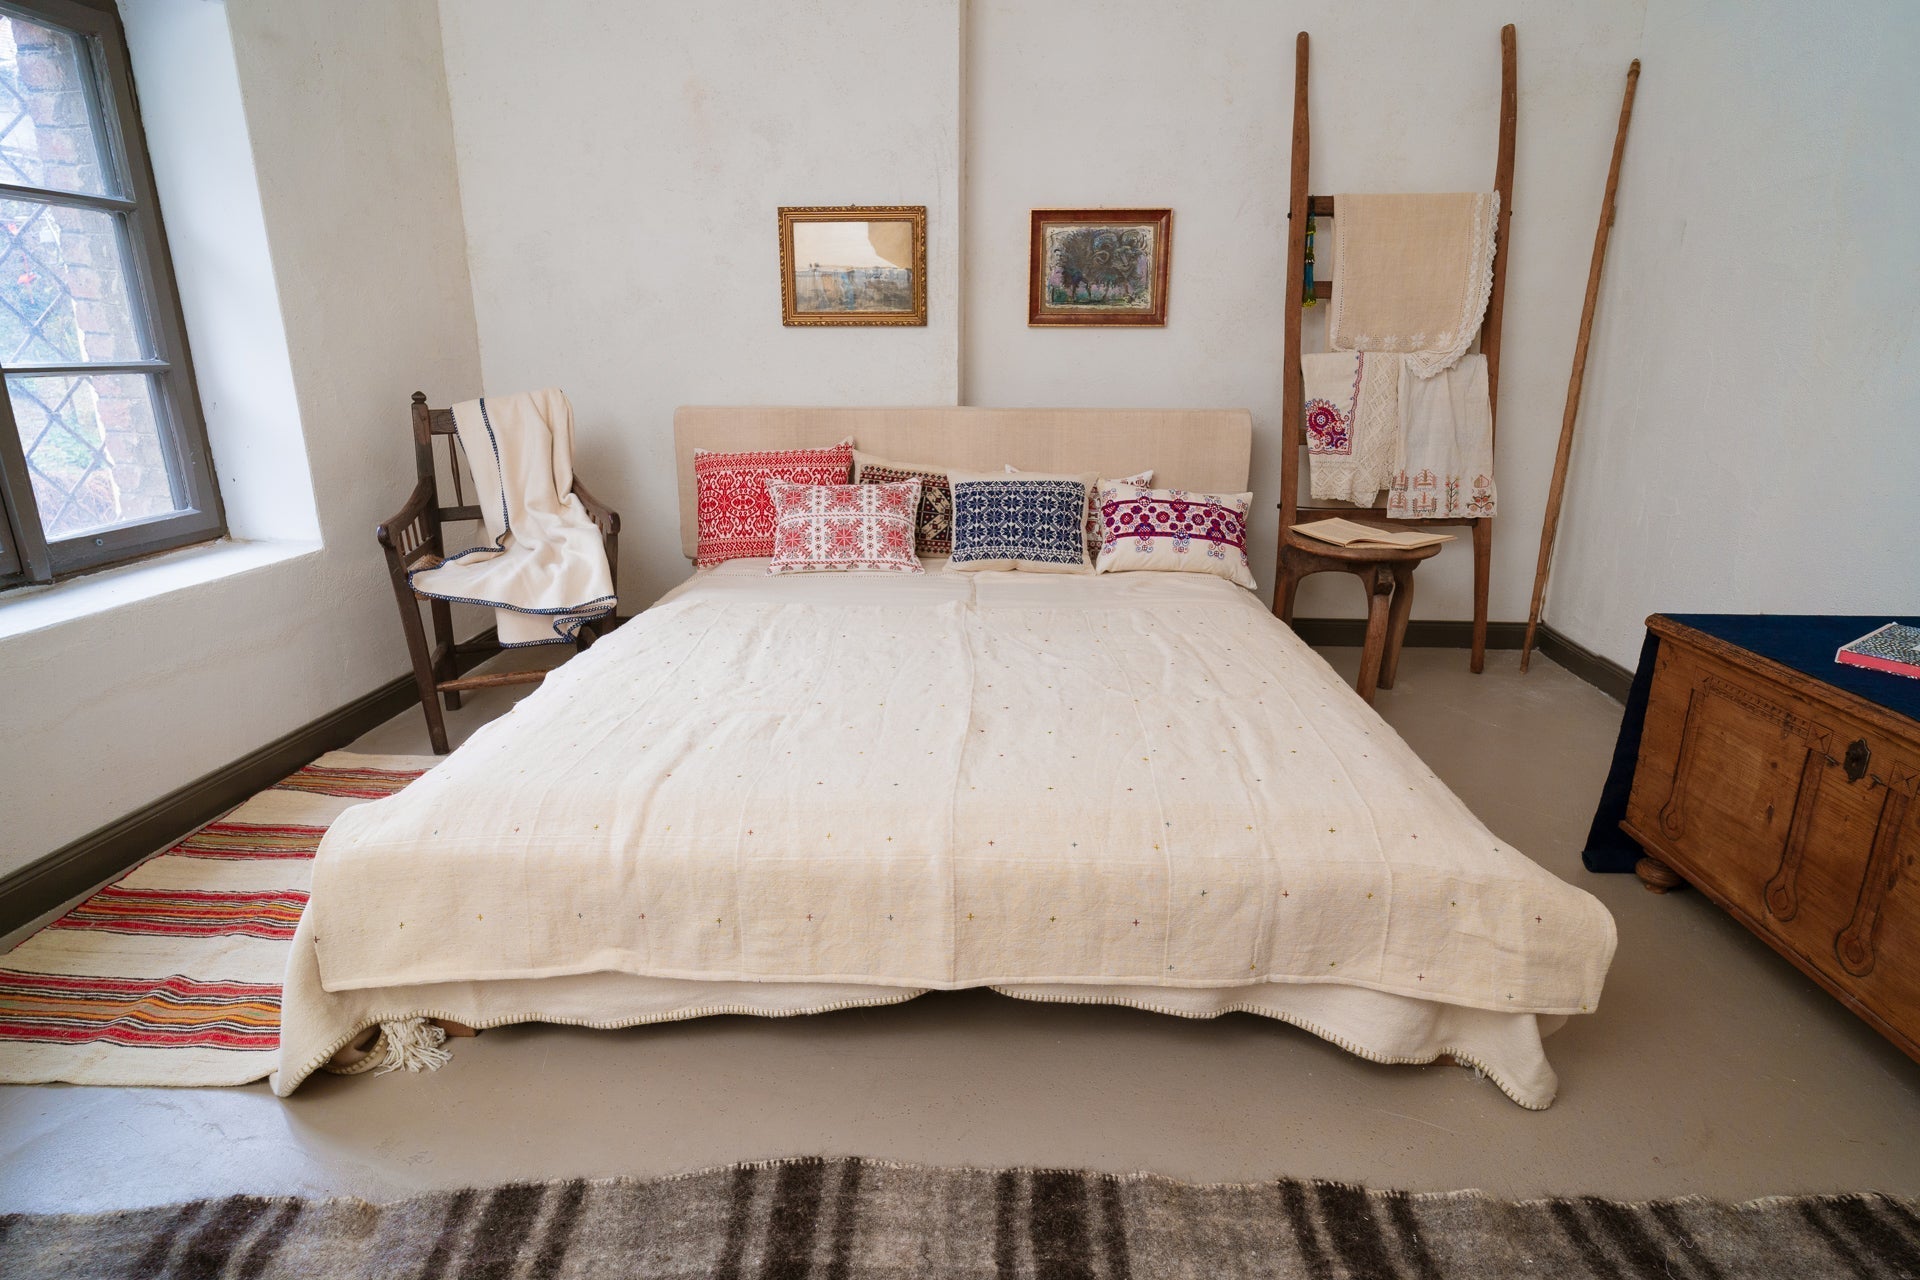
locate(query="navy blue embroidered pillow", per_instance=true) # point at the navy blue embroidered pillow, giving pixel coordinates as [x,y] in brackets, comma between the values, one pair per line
[1031,522]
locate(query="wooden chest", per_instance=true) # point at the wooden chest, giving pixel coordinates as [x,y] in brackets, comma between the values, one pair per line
[1791,803]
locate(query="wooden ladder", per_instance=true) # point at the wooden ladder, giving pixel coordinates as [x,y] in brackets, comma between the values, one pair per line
[1299,555]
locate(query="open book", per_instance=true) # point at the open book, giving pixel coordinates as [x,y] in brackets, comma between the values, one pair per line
[1351,533]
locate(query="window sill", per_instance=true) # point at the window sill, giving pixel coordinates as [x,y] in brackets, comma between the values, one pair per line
[36,608]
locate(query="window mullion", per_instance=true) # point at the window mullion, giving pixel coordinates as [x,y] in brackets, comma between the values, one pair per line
[16,495]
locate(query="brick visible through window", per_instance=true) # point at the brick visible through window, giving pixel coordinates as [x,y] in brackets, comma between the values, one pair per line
[103,453]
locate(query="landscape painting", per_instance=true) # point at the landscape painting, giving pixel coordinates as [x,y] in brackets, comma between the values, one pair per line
[1099,266]
[853,265]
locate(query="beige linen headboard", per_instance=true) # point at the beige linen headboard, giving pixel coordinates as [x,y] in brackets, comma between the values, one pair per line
[1208,450]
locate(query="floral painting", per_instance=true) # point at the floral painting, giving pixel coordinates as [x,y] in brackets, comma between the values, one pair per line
[1099,267]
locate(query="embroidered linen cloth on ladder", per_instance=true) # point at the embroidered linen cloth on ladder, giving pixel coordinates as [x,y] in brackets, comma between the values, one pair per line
[1352,422]
[1412,274]
[544,569]
[1443,467]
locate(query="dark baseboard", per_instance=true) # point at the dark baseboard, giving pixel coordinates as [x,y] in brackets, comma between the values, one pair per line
[1603,674]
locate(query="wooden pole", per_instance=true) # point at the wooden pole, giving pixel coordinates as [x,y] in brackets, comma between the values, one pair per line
[1292,399]
[1490,326]
[1556,490]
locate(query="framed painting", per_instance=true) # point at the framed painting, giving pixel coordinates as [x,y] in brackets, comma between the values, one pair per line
[853,264]
[1099,266]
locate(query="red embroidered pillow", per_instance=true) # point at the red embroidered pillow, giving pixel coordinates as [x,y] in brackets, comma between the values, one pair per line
[844,526]
[735,515]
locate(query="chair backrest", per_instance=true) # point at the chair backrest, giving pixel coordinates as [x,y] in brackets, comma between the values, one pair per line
[428,425]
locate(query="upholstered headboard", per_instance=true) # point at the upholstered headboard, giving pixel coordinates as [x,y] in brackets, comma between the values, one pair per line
[1209,450]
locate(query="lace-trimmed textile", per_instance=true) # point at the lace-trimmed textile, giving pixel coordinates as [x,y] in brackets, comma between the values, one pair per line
[1412,274]
[842,527]
[1352,422]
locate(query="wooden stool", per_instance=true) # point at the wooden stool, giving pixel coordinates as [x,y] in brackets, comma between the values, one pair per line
[1387,575]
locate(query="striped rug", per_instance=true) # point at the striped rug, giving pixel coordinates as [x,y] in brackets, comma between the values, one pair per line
[859,1220]
[171,975]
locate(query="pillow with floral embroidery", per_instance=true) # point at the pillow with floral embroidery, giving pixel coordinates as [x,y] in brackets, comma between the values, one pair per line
[734,514]
[933,524]
[1029,521]
[1173,530]
[1096,532]
[843,527]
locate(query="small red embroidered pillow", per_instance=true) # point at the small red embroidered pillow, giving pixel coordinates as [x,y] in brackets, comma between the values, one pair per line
[844,526]
[735,515]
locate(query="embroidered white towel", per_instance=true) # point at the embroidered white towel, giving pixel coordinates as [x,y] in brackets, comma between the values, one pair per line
[545,570]
[1411,273]
[1352,421]
[1444,464]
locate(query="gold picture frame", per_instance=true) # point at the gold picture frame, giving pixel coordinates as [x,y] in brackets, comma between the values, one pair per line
[853,264]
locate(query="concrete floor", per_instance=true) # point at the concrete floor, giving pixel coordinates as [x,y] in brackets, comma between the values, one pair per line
[1711,1068]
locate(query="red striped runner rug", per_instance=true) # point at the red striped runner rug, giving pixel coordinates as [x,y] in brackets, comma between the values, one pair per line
[171,974]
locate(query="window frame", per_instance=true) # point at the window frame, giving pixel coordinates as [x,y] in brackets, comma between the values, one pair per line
[153,296]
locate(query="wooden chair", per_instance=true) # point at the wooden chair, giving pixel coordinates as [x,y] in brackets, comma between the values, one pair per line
[1386,573]
[414,535]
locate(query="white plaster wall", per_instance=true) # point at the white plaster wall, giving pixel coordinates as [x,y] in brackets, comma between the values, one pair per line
[620,168]
[1748,441]
[345,106]
[1144,102]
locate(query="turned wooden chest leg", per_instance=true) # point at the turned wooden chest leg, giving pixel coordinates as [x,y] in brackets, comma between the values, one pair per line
[1657,876]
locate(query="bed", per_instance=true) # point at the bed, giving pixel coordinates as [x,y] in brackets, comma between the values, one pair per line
[794,794]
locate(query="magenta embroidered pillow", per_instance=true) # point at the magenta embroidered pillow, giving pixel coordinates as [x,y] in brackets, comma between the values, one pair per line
[1172,530]
[734,514]
[841,527]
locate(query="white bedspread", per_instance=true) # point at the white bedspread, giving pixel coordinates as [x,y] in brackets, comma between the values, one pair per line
[948,781]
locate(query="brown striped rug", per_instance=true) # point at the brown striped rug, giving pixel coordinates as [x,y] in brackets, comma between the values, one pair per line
[860,1220]
[171,974]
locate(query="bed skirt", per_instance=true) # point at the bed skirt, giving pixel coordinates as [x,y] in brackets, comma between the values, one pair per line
[1376,1025]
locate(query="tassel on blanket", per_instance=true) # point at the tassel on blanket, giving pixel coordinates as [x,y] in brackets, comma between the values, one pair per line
[414,1043]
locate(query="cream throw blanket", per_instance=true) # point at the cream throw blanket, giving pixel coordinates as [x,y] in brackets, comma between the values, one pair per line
[1412,274]
[1443,467]
[545,571]
[949,780]
[1352,418]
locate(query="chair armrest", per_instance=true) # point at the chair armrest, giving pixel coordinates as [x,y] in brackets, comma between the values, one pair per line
[605,518]
[393,533]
